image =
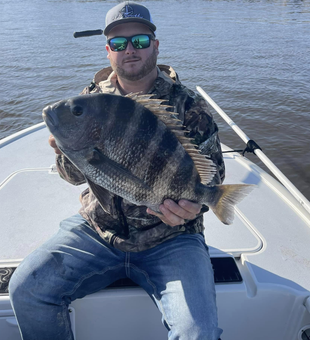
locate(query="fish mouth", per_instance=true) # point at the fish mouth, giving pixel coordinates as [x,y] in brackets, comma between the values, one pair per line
[50,118]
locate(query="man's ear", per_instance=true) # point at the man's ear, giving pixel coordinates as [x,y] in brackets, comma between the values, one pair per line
[156,44]
[108,50]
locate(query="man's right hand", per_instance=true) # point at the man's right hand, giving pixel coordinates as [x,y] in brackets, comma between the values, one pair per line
[52,143]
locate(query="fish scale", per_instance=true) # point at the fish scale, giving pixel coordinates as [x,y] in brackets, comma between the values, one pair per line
[141,153]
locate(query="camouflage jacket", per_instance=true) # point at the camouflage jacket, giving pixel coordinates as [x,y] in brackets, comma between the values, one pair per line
[146,231]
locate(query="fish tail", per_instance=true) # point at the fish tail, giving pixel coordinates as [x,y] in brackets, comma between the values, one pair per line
[225,197]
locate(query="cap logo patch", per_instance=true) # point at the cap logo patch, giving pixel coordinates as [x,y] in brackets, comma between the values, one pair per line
[127,12]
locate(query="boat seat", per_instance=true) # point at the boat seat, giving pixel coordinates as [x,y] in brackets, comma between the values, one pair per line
[225,271]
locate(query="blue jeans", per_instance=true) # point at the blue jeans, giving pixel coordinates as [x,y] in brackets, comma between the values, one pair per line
[76,262]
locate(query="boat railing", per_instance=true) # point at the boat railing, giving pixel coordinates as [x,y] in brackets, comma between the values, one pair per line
[303,201]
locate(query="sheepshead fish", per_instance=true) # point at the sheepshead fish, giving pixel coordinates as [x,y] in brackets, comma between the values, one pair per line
[136,149]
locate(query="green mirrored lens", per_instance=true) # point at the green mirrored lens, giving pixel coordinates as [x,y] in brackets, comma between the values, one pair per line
[140,41]
[118,44]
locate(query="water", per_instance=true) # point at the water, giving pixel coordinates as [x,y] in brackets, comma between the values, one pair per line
[251,57]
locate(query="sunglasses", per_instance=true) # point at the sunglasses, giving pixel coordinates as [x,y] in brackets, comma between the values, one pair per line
[138,41]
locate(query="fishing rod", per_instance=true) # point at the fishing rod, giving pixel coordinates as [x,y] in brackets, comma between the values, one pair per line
[258,152]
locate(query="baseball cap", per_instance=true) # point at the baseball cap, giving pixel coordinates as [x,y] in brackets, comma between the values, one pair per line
[128,11]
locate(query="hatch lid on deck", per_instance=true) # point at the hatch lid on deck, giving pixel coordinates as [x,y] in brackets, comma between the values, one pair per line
[241,236]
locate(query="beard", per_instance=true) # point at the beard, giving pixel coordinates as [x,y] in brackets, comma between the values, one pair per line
[146,68]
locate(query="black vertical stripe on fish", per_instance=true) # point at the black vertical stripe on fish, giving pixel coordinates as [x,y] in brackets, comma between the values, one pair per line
[125,108]
[160,159]
[199,188]
[183,174]
[123,112]
[118,125]
[141,138]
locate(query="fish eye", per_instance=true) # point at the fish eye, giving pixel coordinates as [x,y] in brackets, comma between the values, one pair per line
[77,110]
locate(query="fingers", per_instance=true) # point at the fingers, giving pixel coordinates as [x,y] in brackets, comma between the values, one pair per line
[172,218]
[163,218]
[184,209]
[175,214]
[191,207]
[52,143]
[159,215]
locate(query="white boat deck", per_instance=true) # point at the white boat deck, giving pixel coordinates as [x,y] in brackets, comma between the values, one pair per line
[269,240]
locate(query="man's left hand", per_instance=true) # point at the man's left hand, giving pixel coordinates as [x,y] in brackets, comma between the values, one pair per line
[174,213]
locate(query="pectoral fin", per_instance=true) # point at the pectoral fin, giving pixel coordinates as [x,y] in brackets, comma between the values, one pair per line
[106,165]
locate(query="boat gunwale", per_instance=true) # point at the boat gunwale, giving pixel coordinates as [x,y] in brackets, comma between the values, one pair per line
[20,134]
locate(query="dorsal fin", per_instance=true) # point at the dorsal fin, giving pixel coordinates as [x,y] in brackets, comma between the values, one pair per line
[205,167]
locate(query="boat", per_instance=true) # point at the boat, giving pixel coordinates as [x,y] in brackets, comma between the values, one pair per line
[261,262]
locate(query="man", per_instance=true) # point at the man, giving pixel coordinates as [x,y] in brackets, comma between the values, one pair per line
[164,253]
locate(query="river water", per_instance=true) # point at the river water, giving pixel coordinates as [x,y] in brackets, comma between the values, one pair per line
[250,56]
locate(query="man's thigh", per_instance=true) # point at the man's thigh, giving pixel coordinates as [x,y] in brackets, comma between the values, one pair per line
[178,275]
[71,264]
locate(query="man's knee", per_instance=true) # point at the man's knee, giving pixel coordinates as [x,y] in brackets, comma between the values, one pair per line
[18,288]
[195,329]
[30,280]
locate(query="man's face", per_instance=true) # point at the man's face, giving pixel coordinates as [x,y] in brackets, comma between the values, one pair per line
[132,64]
